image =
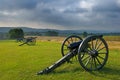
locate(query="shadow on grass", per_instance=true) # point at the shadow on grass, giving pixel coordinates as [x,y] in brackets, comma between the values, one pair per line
[78,69]
[107,72]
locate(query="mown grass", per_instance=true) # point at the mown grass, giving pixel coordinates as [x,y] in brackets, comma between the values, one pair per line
[23,62]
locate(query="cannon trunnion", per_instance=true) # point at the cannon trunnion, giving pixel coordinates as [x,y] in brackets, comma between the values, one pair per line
[92,53]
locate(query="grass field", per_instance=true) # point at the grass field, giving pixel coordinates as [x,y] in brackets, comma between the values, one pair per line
[23,62]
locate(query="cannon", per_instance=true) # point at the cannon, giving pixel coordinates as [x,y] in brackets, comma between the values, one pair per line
[92,53]
[29,41]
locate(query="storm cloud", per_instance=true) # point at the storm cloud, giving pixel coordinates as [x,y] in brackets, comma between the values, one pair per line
[61,14]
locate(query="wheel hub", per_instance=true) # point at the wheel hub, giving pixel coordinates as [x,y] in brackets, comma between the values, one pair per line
[94,53]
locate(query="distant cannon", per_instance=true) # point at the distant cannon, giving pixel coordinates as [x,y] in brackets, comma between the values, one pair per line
[92,53]
[29,41]
[20,39]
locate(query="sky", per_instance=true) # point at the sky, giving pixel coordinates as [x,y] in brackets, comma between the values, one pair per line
[61,14]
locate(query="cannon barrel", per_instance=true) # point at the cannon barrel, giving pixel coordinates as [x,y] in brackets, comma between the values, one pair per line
[74,45]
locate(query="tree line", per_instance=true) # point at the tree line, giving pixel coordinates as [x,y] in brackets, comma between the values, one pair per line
[19,33]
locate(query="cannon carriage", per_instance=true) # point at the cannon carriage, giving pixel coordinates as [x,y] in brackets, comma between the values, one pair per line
[92,53]
[29,41]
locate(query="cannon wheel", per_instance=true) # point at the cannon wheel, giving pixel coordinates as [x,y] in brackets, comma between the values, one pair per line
[32,42]
[93,53]
[67,41]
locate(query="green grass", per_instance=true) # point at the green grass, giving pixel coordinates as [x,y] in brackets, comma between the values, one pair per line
[23,62]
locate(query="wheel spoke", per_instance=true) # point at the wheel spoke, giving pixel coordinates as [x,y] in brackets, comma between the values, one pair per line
[95,63]
[101,49]
[82,56]
[89,47]
[68,42]
[88,51]
[88,61]
[85,58]
[71,39]
[98,61]
[98,45]
[102,53]
[65,45]
[100,57]
[91,66]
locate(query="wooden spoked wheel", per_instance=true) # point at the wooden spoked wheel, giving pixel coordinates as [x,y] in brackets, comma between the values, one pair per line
[69,40]
[93,53]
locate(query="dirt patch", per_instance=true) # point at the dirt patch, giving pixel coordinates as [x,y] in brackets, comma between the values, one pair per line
[114,44]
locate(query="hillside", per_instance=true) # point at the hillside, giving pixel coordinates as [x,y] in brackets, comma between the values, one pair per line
[27,29]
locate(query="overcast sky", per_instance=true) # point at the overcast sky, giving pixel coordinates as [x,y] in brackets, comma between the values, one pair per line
[61,14]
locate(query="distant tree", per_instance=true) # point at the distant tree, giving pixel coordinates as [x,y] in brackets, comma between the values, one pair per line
[16,33]
[51,33]
[85,34]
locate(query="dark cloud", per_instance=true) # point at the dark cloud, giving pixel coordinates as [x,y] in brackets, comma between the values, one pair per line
[107,6]
[66,14]
[17,4]
[76,10]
